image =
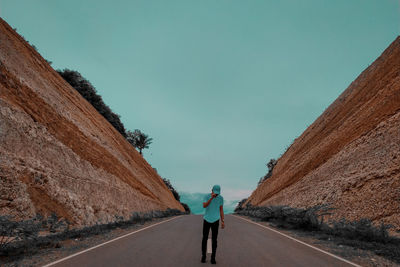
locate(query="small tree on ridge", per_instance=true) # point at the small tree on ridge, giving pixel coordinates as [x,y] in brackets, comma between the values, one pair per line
[139,140]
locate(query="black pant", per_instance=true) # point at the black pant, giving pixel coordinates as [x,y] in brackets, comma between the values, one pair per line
[214,230]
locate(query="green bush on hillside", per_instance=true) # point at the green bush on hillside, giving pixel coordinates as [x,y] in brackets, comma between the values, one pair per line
[176,195]
[87,90]
[167,182]
[186,207]
[271,165]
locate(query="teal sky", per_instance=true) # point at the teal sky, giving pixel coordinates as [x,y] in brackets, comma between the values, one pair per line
[221,86]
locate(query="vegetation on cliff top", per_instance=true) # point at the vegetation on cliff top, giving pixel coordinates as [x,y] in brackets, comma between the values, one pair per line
[270,165]
[139,140]
[176,195]
[136,138]
[89,92]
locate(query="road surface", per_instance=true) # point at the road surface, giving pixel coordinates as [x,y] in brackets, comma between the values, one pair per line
[177,242]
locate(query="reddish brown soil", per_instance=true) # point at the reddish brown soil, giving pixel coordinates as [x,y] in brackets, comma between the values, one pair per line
[58,154]
[350,156]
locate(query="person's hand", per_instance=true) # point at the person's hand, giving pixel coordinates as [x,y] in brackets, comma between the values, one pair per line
[222,225]
[213,195]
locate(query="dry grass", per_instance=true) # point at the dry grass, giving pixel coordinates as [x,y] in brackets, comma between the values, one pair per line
[360,234]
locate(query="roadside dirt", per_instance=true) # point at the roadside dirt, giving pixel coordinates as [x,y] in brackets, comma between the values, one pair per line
[68,247]
[356,255]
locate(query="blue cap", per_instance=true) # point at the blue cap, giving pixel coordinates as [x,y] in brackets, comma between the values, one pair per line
[216,189]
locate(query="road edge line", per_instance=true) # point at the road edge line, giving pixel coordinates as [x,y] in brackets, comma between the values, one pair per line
[301,242]
[109,241]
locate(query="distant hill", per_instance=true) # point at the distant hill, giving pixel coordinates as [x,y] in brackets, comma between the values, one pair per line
[58,154]
[350,156]
[195,202]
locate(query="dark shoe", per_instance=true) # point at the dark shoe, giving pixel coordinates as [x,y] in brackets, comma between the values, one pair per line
[203,259]
[213,261]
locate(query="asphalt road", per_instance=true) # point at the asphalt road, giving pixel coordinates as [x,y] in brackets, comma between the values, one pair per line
[178,243]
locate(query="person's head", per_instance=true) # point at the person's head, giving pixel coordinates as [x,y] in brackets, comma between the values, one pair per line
[216,189]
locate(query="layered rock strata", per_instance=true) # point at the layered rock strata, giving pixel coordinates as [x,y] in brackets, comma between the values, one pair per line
[58,154]
[350,156]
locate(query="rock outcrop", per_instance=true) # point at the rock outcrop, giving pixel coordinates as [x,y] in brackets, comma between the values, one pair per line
[350,156]
[58,154]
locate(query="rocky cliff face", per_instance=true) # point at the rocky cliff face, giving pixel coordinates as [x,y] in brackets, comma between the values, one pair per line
[350,156]
[58,154]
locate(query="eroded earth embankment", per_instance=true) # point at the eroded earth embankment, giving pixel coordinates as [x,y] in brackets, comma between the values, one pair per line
[350,156]
[58,154]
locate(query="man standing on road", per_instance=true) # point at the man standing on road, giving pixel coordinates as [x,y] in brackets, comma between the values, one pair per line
[213,203]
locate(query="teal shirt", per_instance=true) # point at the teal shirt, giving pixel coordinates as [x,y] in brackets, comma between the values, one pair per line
[212,211]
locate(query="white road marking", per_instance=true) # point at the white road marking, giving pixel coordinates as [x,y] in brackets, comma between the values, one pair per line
[209,246]
[301,242]
[102,244]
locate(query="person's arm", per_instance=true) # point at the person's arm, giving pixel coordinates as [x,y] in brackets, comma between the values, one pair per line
[221,212]
[205,204]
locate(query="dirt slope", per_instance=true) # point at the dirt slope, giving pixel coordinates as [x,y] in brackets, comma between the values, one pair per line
[350,156]
[57,153]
